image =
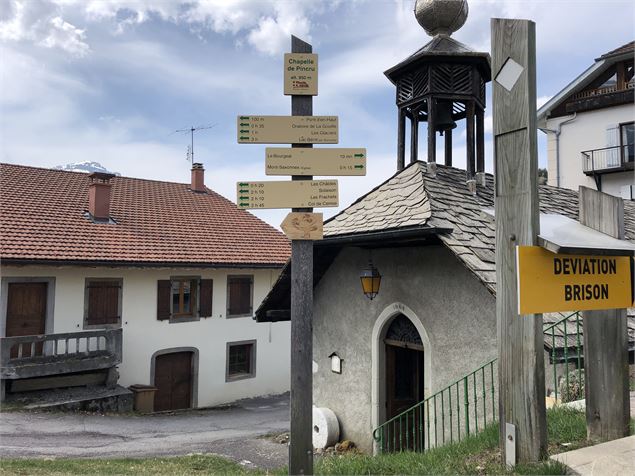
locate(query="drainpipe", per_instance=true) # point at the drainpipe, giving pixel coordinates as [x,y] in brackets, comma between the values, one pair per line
[557,133]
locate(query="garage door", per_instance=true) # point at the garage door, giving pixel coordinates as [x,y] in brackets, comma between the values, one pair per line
[173,380]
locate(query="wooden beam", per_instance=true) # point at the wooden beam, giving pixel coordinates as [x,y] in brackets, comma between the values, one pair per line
[401,139]
[469,141]
[414,136]
[301,398]
[606,386]
[432,134]
[480,140]
[521,377]
[448,148]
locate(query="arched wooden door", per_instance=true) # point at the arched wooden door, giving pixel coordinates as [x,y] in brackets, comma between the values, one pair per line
[173,380]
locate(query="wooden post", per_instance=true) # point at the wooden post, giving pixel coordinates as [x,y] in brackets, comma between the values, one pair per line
[301,427]
[469,132]
[448,148]
[480,140]
[432,134]
[605,336]
[401,139]
[521,376]
[414,136]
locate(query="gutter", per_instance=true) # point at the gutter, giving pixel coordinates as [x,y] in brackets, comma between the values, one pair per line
[417,232]
[137,264]
[557,133]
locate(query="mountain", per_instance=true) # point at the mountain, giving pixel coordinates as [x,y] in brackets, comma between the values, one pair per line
[86,166]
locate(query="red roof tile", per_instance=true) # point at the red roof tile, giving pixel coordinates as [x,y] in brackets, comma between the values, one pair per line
[628,47]
[42,217]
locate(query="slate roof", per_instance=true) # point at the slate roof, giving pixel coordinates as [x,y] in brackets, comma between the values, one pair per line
[42,219]
[412,197]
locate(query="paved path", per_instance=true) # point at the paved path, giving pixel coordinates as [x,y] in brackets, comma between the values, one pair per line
[613,458]
[233,432]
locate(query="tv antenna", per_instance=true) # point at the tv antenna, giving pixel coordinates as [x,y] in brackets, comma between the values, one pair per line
[191,130]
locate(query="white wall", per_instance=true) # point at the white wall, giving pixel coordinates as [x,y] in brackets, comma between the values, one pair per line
[586,132]
[143,334]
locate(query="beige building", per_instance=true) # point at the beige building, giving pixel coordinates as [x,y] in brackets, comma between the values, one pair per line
[590,129]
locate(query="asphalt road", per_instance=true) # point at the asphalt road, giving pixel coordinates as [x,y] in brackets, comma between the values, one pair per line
[234,432]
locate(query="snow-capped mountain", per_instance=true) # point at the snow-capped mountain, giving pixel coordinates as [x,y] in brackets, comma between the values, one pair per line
[86,166]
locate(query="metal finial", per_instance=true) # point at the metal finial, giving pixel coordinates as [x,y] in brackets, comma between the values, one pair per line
[441,17]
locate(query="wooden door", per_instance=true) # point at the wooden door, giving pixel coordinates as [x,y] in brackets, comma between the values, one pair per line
[404,389]
[173,380]
[26,313]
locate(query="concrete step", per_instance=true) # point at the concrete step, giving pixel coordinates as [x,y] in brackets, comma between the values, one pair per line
[96,398]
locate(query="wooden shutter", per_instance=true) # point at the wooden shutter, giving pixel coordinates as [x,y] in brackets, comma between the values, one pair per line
[103,303]
[240,295]
[164,287]
[205,303]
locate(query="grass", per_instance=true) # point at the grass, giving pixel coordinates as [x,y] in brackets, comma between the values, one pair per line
[478,454]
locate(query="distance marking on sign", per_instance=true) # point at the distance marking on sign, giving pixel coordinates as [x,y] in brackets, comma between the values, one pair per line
[301,74]
[303,226]
[550,282]
[300,161]
[287,194]
[287,129]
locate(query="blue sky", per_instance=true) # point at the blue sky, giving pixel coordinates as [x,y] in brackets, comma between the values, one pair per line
[109,81]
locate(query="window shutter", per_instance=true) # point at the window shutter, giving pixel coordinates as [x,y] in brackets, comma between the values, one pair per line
[163,299]
[205,302]
[102,307]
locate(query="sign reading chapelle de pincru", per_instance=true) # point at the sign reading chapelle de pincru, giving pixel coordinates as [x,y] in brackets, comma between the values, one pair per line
[551,282]
[301,74]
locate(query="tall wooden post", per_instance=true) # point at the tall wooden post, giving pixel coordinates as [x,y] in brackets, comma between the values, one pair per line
[469,132]
[521,373]
[448,148]
[480,140]
[301,427]
[401,139]
[605,336]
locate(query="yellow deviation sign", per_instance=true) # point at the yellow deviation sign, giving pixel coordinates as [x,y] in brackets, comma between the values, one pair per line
[550,282]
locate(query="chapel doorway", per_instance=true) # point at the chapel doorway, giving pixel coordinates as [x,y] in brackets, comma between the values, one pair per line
[404,368]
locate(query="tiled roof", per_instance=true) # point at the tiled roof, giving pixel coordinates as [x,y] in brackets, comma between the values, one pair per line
[414,197]
[627,48]
[42,218]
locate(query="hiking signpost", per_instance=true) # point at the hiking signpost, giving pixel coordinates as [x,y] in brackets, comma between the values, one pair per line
[302,226]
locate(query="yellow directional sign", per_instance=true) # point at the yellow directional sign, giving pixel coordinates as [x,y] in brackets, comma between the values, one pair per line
[288,194]
[299,161]
[301,74]
[303,226]
[550,282]
[287,129]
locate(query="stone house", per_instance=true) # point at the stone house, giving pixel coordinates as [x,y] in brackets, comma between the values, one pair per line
[157,278]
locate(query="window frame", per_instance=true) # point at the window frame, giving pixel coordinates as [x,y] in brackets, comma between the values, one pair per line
[87,282]
[251,295]
[195,288]
[620,130]
[252,360]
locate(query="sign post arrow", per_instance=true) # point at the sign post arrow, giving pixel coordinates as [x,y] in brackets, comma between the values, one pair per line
[303,226]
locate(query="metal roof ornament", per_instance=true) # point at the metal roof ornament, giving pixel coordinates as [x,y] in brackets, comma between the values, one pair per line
[441,17]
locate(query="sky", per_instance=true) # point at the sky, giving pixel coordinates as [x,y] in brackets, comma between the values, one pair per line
[110,81]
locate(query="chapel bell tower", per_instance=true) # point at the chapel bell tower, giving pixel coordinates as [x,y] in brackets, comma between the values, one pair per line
[440,84]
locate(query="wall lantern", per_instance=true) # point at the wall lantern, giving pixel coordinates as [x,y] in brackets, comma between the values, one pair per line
[336,363]
[371,279]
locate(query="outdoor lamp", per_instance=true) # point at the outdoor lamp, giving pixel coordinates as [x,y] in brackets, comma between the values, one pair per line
[371,279]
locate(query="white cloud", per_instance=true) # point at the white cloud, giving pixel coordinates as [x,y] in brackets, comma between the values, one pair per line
[66,36]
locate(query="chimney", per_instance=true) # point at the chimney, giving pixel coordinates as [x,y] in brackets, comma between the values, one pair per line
[198,178]
[99,195]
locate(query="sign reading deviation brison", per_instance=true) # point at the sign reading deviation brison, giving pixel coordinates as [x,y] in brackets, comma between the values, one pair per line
[287,129]
[301,74]
[550,282]
[288,194]
[301,161]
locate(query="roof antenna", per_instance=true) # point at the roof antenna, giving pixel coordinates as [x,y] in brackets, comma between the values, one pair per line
[191,130]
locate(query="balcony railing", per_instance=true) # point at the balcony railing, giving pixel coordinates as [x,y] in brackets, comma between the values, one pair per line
[601,91]
[608,158]
[51,354]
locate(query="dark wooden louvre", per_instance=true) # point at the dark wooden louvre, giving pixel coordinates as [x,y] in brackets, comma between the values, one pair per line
[206,298]
[103,303]
[240,295]
[163,299]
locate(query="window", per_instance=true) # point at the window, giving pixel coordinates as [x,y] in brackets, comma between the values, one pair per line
[240,291]
[627,133]
[102,302]
[241,360]
[184,298]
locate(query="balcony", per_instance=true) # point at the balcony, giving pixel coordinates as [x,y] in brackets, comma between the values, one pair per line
[54,354]
[609,159]
[606,96]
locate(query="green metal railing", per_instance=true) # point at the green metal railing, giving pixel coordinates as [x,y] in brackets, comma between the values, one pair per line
[449,415]
[468,404]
